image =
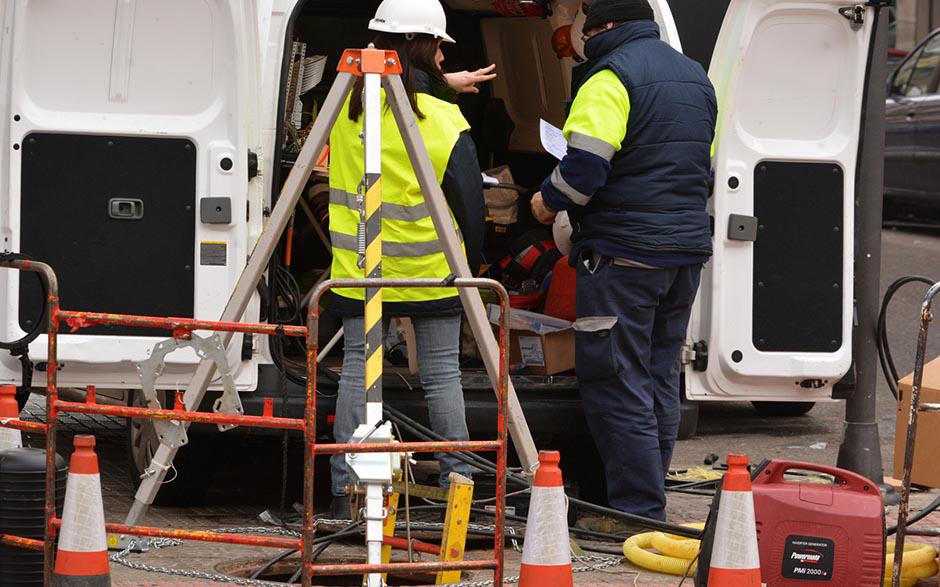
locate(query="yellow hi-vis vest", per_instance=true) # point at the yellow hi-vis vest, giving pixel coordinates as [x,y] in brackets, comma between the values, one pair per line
[411,247]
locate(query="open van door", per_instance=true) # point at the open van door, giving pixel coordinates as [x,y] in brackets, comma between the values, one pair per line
[774,316]
[127,129]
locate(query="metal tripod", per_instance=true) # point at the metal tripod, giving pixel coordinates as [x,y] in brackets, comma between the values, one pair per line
[258,261]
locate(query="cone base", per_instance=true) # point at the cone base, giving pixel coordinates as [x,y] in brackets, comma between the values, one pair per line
[64,581]
[81,565]
[734,577]
[545,575]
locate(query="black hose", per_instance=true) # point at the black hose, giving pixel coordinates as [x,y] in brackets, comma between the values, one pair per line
[346,532]
[602,549]
[931,508]
[605,536]
[40,324]
[20,348]
[888,366]
[425,433]
[489,466]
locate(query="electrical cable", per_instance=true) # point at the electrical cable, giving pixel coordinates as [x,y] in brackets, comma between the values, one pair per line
[409,424]
[888,366]
[346,532]
[489,466]
[20,348]
[920,515]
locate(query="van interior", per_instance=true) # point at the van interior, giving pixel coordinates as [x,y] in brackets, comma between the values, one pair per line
[504,116]
[533,84]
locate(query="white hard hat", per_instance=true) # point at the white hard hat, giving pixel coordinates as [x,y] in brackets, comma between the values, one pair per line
[411,16]
[562,232]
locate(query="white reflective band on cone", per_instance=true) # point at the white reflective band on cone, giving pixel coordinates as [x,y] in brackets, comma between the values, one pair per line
[735,536]
[10,439]
[83,516]
[546,532]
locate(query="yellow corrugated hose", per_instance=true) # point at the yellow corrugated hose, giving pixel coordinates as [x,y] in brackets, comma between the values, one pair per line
[674,555]
[672,559]
[920,562]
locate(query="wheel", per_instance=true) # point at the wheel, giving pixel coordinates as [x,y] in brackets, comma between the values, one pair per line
[783,409]
[688,424]
[22,396]
[194,463]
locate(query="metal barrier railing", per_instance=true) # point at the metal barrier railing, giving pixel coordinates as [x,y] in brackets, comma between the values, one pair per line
[183,328]
[920,363]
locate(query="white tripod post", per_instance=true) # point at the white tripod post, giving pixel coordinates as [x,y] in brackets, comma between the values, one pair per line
[374,471]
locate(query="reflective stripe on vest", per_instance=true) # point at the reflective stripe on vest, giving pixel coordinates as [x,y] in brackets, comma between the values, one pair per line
[411,247]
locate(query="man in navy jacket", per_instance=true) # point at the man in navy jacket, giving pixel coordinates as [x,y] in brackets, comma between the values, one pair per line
[635,183]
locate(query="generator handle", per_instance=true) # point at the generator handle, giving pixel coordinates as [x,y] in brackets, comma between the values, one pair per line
[775,471]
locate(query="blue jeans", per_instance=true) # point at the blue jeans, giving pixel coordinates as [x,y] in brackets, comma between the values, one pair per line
[629,375]
[438,341]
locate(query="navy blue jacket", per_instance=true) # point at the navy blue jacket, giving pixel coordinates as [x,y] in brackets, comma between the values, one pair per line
[654,200]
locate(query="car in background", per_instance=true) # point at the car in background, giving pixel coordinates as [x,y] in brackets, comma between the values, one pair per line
[912,148]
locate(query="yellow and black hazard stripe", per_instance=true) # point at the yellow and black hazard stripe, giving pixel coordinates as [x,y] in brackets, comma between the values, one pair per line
[373,270]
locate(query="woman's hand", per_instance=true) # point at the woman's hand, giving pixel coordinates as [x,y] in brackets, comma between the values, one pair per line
[466,82]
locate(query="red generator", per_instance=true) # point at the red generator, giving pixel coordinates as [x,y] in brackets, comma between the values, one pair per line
[814,534]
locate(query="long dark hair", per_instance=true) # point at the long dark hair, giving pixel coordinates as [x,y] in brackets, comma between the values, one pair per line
[415,53]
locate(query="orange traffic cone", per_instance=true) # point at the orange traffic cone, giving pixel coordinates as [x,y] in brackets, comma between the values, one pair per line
[9,410]
[735,559]
[82,557]
[546,554]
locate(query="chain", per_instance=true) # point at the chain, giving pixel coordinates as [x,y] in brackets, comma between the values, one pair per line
[158,543]
[600,563]
[603,563]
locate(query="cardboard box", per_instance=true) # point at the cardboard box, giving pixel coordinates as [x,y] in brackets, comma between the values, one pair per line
[543,344]
[926,469]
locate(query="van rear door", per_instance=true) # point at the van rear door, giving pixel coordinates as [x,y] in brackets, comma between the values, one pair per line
[128,125]
[774,316]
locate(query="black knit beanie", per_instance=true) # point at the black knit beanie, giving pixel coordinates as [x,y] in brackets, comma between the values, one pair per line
[603,11]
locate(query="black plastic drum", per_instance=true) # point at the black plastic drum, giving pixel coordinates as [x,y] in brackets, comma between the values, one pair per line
[22,511]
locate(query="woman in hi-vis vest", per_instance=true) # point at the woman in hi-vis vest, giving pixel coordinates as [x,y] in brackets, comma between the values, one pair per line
[411,248]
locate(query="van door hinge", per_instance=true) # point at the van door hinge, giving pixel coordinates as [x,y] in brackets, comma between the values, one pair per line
[855,15]
[252,165]
[695,355]
[688,355]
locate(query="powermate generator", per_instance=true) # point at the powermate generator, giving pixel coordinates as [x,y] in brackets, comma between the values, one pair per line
[811,532]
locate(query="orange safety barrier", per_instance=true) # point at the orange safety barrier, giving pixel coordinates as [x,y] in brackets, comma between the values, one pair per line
[183,328]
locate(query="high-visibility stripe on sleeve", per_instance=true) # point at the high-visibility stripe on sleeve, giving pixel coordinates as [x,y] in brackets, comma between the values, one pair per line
[587,143]
[558,181]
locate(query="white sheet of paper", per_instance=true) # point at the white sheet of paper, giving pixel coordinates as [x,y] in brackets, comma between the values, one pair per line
[553,140]
[489,181]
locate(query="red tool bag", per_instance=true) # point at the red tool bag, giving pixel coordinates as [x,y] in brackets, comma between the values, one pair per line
[531,258]
[562,293]
[815,534]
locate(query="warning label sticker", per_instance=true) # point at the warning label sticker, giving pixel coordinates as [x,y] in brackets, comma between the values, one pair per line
[213,254]
[808,558]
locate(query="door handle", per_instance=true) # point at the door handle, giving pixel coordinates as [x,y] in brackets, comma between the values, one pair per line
[126,209]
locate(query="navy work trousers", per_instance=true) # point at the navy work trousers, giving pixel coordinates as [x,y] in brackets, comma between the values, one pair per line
[629,375]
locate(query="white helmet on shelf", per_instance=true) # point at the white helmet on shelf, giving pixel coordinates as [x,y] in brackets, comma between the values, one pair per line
[411,16]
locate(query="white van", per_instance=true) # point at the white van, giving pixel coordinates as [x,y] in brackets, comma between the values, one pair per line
[145,143]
